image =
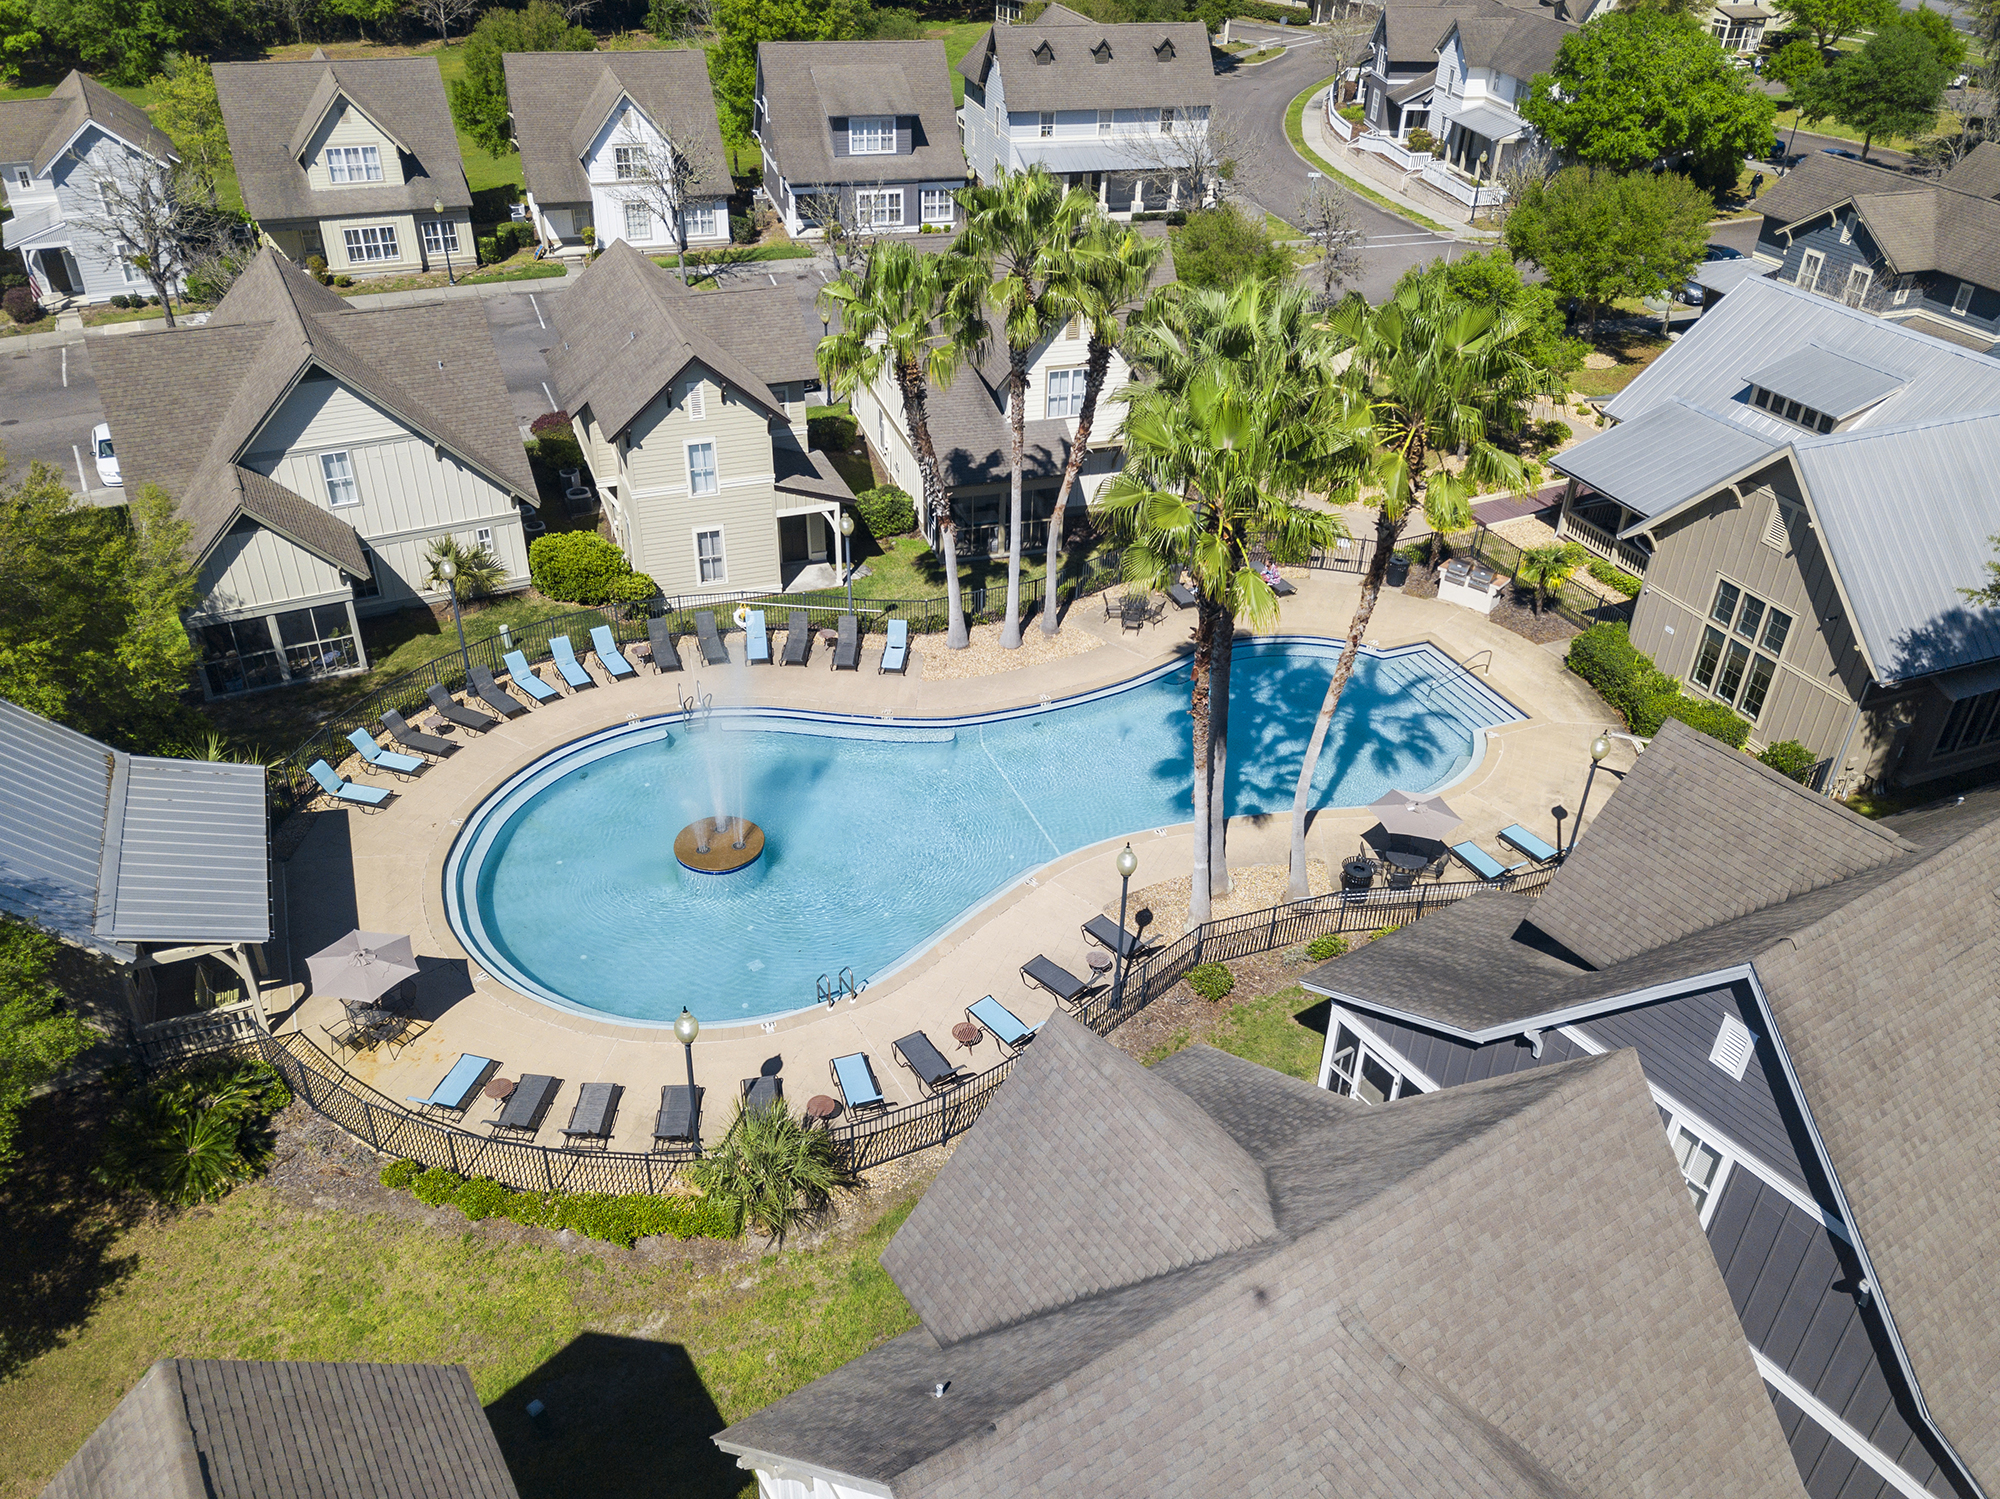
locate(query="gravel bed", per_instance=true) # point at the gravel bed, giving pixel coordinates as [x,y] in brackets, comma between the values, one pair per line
[984,657]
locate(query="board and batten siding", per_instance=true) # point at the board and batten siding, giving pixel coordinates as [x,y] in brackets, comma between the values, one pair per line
[400,566]
[252,571]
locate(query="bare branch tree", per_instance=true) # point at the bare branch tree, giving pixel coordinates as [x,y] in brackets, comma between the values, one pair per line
[292,13]
[1344,36]
[845,238]
[672,20]
[1523,167]
[662,171]
[575,11]
[1193,162]
[444,13]
[1328,222]
[152,218]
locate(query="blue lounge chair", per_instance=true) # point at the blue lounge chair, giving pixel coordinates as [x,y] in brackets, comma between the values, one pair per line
[608,655]
[524,677]
[1001,1023]
[1481,863]
[1516,836]
[566,662]
[460,1086]
[856,1081]
[347,791]
[381,759]
[756,643]
[896,654]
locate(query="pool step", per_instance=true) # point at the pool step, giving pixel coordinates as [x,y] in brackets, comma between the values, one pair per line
[1467,698]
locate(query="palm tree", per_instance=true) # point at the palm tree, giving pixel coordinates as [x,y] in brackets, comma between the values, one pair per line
[1236,422]
[1024,226]
[916,319]
[479,571]
[1113,266]
[1430,374]
[1548,568]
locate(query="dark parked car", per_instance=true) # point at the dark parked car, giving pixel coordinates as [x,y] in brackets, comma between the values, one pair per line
[1693,292]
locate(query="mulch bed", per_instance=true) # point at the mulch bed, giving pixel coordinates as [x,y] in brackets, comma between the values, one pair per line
[1514,611]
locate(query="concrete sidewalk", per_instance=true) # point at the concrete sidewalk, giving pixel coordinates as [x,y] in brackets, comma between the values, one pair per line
[1335,153]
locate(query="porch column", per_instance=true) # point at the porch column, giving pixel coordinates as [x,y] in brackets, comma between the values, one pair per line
[239,964]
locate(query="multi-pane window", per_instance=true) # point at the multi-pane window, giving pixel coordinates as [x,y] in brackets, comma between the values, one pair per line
[130,271]
[1168,115]
[377,242]
[628,162]
[369,587]
[238,655]
[1795,412]
[21,177]
[440,235]
[1963,300]
[638,222]
[353,164]
[1810,265]
[1973,721]
[1065,392]
[938,206]
[881,209]
[318,640]
[871,135]
[1858,279]
[1740,649]
[698,223]
[701,468]
[337,469]
[1104,122]
[1701,1166]
[1048,123]
[708,556]
[1357,1072]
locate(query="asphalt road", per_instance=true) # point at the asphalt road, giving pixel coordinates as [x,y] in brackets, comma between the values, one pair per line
[48,404]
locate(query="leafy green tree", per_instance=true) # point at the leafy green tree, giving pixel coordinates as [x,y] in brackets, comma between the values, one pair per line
[1636,87]
[1490,279]
[674,20]
[741,25]
[39,1038]
[1546,569]
[1600,235]
[1987,595]
[1827,21]
[20,37]
[192,117]
[90,611]
[1221,246]
[1795,64]
[366,13]
[479,95]
[1893,86]
[1937,29]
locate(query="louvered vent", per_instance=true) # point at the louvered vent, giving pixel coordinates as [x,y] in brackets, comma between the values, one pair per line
[1734,1044]
[1778,530]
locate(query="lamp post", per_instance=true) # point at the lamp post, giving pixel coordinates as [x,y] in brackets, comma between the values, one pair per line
[448,570]
[847,556]
[1599,748]
[1128,864]
[686,1028]
[437,207]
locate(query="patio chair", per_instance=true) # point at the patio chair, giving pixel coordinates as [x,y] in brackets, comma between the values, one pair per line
[416,739]
[451,712]
[762,1092]
[713,651]
[529,1102]
[1001,1023]
[1182,595]
[608,655]
[1481,863]
[855,1079]
[528,679]
[679,1119]
[1113,938]
[1040,973]
[1282,587]
[378,758]
[916,1052]
[1401,878]
[666,650]
[896,654]
[756,643]
[847,648]
[496,697]
[564,655]
[595,1112]
[455,1092]
[1132,612]
[1517,837]
[368,798]
[798,639]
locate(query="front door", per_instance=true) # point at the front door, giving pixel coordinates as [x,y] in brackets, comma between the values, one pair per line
[55,270]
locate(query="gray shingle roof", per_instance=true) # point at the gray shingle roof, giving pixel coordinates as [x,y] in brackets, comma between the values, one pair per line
[1951,225]
[806,84]
[1135,76]
[35,130]
[1978,173]
[239,1429]
[1412,31]
[1381,1331]
[272,108]
[670,88]
[1520,45]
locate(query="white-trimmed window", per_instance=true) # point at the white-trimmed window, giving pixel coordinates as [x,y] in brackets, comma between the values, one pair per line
[1167,117]
[376,242]
[1048,123]
[440,235]
[353,164]
[337,470]
[698,223]
[696,402]
[1810,265]
[708,559]
[871,135]
[1104,122]
[1357,1071]
[1739,649]
[1903,285]
[21,177]
[483,536]
[1963,300]
[1859,278]
[638,222]
[701,467]
[879,209]
[125,266]
[628,162]
[1704,1165]
[1065,393]
[938,206]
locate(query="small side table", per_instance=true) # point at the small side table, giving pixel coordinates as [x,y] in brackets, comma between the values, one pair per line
[966,1034]
[820,1108]
[1099,960]
[501,1088]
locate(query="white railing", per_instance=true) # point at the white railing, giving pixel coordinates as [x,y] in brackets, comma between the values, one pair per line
[1345,129]
[1383,146]
[1455,185]
[1593,538]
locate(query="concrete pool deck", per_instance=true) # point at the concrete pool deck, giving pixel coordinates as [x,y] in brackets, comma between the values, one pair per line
[384,872]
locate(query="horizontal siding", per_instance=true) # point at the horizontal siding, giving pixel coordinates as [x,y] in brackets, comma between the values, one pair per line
[253,567]
[409,250]
[349,127]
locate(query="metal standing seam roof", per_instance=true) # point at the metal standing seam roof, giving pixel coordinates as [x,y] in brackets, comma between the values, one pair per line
[1727,275]
[1827,381]
[1671,454]
[1493,121]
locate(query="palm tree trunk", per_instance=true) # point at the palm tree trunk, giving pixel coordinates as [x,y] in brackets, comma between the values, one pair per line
[1387,532]
[1096,366]
[1198,710]
[916,410]
[1218,754]
[1017,402]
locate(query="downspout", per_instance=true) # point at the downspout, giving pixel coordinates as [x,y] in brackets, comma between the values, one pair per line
[1833,770]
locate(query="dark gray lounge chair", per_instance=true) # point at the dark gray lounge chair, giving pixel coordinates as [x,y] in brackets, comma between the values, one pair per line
[1282,587]
[416,739]
[847,648]
[762,1092]
[1108,935]
[916,1052]
[595,1112]
[798,639]
[496,697]
[679,1119]
[530,1101]
[1182,595]
[465,718]
[713,651]
[1069,990]
[666,652]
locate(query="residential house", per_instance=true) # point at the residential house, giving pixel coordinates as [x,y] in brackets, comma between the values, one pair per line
[691,411]
[1486,67]
[193,1428]
[1919,251]
[1740,24]
[1811,998]
[1806,488]
[1207,1277]
[1121,109]
[860,131]
[55,156]
[606,165]
[317,450]
[355,163]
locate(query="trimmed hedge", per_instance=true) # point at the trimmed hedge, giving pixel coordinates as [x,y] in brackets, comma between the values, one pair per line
[576,567]
[832,432]
[1712,718]
[886,511]
[614,1219]
[1613,576]
[1790,758]
[1211,981]
[1644,696]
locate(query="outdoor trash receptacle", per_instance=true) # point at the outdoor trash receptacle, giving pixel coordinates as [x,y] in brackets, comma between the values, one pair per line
[1399,572]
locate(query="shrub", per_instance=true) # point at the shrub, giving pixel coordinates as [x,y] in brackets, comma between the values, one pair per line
[742,229]
[576,567]
[120,300]
[1613,576]
[481,1198]
[1211,981]
[191,1136]
[488,249]
[316,268]
[343,281]
[152,301]
[1332,945]
[1714,719]
[556,422]
[1384,931]
[1420,141]
[1625,676]
[21,305]
[886,511]
[437,1185]
[1790,758]
[1221,246]
[398,1175]
[773,1167]
[635,593]
[832,432]
[1357,111]
[1552,433]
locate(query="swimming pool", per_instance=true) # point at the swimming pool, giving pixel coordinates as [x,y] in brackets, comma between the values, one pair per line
[883,834]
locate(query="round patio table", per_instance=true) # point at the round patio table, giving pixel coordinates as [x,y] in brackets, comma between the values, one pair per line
[966,1034]
[1099,960]
[820,1108]
[500,1087]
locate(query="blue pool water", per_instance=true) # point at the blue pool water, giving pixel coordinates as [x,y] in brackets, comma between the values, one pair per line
[883,834]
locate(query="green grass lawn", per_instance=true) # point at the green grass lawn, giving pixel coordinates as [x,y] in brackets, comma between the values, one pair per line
[1295,132]
[1270,1032]
[1633,353]
[958,37]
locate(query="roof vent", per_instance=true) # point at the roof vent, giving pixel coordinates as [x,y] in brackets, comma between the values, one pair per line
[1045,53]
[1733,1045]
[1165,51]
[1102,51]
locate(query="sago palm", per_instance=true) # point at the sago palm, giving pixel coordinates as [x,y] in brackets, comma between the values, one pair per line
[909,321]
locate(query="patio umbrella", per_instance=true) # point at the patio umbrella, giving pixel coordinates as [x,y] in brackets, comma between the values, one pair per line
[362,966]
[1404,814]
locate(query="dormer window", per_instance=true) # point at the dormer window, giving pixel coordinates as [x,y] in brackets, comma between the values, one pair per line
[1165,51]
[353,164]
[1790,411]
[1101,52]
[1167,117]
[871,135]
[1045,54]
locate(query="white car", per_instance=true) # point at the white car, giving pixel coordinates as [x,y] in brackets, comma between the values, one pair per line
[107,460]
